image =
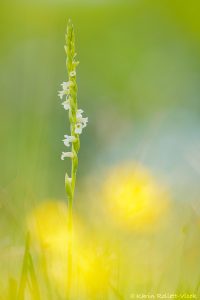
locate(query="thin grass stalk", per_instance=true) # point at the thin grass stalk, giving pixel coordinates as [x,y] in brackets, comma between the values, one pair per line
[24,272]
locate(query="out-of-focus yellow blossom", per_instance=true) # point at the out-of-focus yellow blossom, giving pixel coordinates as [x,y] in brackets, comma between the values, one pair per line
[134,198]
[95,269]
[47,224]
[92,266]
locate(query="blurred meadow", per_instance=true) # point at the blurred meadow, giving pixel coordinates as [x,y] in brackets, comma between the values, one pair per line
[137,200]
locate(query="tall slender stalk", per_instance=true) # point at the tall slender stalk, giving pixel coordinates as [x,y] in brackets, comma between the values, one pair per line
[77,123]
[28,275]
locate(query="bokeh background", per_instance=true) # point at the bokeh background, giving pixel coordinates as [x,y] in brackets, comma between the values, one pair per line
[137,197]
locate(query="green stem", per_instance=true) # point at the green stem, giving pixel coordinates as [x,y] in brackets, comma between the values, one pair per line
[24,272]
[70,248]
[70,186]
[70,230]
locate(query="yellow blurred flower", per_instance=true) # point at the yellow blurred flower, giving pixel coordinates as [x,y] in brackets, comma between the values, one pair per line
[134,198]
[48,227]
[95,269]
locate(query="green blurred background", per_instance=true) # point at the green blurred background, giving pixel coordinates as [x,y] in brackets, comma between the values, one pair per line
[138,83]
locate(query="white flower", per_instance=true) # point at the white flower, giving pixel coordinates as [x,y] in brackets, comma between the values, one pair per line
[67,154]
[84,122]
[78,128]
[66,85]
[65,88]
[66,104]
[72,73]
[61,94]
[80,119]
[68,139]
[79,114]
[71,138]
[81,122]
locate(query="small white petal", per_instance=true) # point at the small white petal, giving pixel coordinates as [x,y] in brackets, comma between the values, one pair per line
[66,104]
[79,112]
[66,143]
[70,138]
[67,154]
[61,94]
[66,85]
[78,128]
[84,122]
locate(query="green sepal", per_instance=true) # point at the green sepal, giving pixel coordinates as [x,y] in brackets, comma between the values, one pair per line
[68,186]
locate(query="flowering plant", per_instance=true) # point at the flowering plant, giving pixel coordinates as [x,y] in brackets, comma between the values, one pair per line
[77,123]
